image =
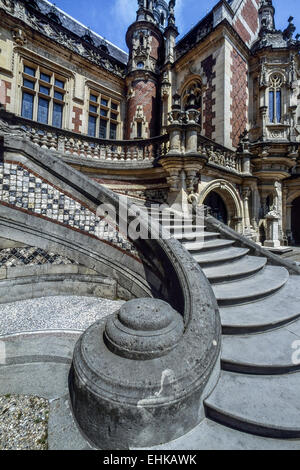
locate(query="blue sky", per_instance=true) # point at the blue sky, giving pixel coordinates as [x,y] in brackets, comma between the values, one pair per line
[110,18]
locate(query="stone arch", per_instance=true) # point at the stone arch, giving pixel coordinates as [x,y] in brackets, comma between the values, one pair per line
[191,92]
[231,199]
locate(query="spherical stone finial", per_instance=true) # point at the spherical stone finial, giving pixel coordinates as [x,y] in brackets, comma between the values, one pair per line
[143,329]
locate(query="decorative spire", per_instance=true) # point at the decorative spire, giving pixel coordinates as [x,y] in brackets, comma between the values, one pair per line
[171,18]
[266,17]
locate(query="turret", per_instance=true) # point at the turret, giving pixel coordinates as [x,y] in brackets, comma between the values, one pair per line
[146,44]
[266,14]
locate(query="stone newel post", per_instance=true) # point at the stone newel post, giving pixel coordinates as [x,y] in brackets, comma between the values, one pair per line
[124,386]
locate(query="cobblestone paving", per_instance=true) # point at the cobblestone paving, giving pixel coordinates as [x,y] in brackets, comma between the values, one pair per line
[50,313]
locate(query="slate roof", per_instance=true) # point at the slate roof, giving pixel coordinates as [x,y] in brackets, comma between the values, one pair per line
[79,29]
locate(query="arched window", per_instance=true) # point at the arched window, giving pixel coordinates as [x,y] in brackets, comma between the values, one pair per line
[275,99]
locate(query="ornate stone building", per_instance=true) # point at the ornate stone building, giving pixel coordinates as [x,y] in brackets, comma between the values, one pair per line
[212,118]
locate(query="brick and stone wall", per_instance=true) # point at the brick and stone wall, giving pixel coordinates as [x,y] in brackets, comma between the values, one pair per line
[239,97]
[143,105]
[5,88]
[208,66]
[77,119]
[246,20]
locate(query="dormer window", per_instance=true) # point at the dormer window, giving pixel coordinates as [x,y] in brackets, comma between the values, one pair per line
[140,65]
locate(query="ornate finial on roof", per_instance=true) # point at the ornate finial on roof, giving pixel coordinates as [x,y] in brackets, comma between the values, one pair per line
[289,31]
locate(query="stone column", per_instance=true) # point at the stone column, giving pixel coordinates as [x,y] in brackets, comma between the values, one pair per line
[192,129]
[246,194]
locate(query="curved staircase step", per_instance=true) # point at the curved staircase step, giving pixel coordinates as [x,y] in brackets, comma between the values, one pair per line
[190,234]
[271,352]
[266,405]
[261,284]
[40,346]
[246,266]
[280,308]
[217,244]
[209,435]
[218,257]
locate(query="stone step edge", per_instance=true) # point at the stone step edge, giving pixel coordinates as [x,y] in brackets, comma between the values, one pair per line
[250,427]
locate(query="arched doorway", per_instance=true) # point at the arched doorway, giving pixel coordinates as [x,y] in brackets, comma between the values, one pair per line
[217,206]
[295,220]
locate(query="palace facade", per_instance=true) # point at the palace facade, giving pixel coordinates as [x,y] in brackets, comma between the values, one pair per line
[212,118]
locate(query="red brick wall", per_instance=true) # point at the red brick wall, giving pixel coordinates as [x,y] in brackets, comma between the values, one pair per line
[208,100]
[4,87]
[145,94]
[77,121]
[239,96]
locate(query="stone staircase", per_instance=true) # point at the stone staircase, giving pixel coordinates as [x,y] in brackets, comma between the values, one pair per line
[256,403]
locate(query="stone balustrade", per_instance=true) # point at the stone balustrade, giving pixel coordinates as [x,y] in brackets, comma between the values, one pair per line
[219,156]
[183,138]
[71,144]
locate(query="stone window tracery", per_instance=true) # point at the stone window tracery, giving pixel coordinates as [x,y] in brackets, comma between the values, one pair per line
[275,98]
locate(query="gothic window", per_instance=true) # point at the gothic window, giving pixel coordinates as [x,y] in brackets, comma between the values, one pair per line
[103,120]
[43,95]
[275,99]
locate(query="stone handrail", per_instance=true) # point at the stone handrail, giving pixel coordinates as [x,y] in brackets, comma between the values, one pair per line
[72,144]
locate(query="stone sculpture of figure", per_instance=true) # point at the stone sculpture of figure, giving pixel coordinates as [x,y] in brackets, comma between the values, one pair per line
[275,206]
